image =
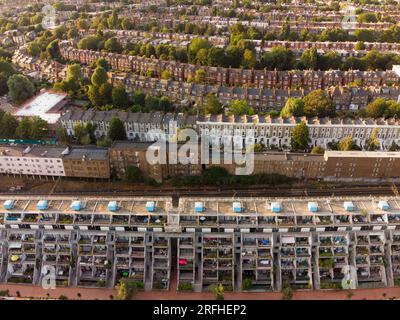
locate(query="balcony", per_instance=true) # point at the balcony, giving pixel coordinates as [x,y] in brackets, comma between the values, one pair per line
[65,219]
[120,220]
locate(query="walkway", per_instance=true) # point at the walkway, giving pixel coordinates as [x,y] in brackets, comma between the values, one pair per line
[104,294]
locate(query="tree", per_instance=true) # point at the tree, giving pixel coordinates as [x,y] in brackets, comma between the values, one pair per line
[119,97]
[394,147]
[20,87]
[377,108]
[347,144]
[23,130]
[6,68]
[300,137]
[195,45]
[61,134]
[113,45]
[3,84]
[200,76]
[317,150]
[79,131]
[309,58]
[367,17]
[293,107]
[166,75]
[372,143]
[359,46]
[212,105]
[249,59]
[126,288]
[287,293]
[239,108]
[39,128]
[219,291]
[116,130]
[133,174]
[99,76]
[317,103]
[8,126]
[101,62]
[53,50]
[279,58]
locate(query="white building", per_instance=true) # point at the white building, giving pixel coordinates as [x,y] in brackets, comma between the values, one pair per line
[47,105]
[32,160]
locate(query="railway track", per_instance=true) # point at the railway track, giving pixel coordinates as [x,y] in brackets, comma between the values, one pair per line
[231,192]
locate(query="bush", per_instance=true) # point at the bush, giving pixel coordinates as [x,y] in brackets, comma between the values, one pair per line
[287,293]
[62,297]
[247,284]
[185,287]
[5,293]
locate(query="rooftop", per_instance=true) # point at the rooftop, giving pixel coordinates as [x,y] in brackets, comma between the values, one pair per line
[45,105]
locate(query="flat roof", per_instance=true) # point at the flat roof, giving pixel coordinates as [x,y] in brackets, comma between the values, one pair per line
[362,154]
[40,106]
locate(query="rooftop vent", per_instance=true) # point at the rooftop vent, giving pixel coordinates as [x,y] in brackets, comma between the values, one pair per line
[237,207]
[112,206]
[348,205]
[8,204]
[313,206]
[276,207]
[198,206]
[383,205]
[150,206]
[42,205]
[76,205]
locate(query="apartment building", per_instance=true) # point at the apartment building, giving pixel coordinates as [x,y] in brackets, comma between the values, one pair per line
[87,163]
[276,132]
[246,244]
[32,161]
[230,76]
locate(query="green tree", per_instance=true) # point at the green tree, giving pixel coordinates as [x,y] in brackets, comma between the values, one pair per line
[287,293]
[8,126]
[249,59]
[116,130]
[200,76]
[133,174]
[53,50]
[394,147]
[293,107]
[279,58]
[239,108]
[61,134]
[120,97]
[212,105]
[219,291]
[377,108]
[39,128]
[359,46]
[317,103]
[372,143]
[99,76]
[300,137]
[347,144]
[20,88]
[101,62]
[79,131]
[113,45]
[6,68]
[23,130]
[166,75]
[309,58]
[317,150]
[195,45]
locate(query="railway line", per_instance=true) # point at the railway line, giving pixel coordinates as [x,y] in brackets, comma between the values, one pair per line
[368,190]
